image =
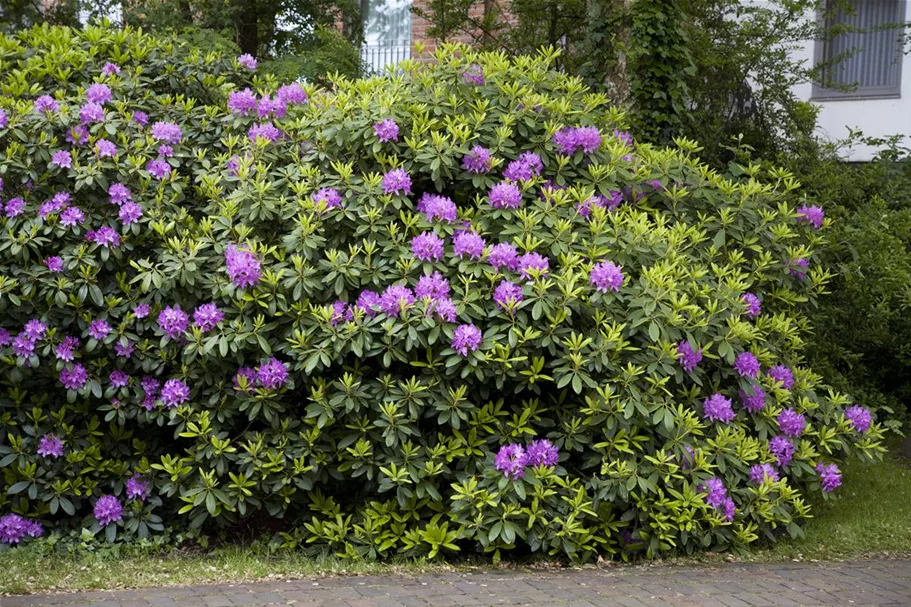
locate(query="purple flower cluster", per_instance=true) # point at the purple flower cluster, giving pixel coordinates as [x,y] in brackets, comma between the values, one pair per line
[503,255]
[74,378]
[569,140]
[386,130]
[511,461]
[167,132]
[427,246]
[791,423]
[759,472]
[108,509]
[174,393]
[248,61]
[119,379]
[434,207]
[99,93]
[783,450]
[105,148]
[624,137]
[782,376]
[507,294]
[99,329]
[752,303]
[717,407]
[46,104]
[859,417]
[272,374]
[505,196]
[397,181]
[396,298]
[150,387]
[367,301]
[812,215]
[798,267]
[341,311]
[687,357]
[104,236]
[477,160]
[542,452]
[754,401]
[829,477]
[468,243]
[65,349]
[607,276]
[71,216]
[433,286]
[747,365]
[474,74]
[207,317]
[137,488]
[50,446]
[62,159]
[718,497]
[465,339]
[330,198]
[243,267]
[533,264]
[89,113]
[173,321]
[242,102]
[158,168]
[14,207]
[14,528]
[265,131]
[526,167]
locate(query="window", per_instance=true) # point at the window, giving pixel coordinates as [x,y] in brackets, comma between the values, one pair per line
[868,55]
[387,32]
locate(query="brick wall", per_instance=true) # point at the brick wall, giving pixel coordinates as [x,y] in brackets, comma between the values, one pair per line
[419,27]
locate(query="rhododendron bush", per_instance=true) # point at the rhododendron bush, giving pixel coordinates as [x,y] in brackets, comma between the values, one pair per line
[456,307]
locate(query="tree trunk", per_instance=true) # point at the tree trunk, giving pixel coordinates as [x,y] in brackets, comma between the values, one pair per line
[246,26]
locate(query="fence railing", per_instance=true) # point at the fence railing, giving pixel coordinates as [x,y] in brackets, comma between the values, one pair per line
[378,56]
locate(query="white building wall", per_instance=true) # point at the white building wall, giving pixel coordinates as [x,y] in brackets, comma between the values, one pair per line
[875,117]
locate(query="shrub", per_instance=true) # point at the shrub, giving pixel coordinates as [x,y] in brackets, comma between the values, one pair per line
[445,309]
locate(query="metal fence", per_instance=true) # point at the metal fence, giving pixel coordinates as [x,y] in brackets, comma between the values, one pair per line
[378,56]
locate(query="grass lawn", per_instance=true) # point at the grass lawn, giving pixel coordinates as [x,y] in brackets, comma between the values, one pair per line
[872,517]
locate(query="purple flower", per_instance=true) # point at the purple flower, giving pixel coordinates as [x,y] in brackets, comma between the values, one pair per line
[427,246]
[119,379]
[829,477]
[233,164]
[394,299]
[173,321]
[386,130]
[105,236]
[812,215]
[437,207]
[14,528]
[511,461]
[124,349]
[34,329]
[138,489]
[474,74]
[716,491]
[248,61]
[129,213]
[468,243]
[165,151]
[624,137]
[23,345]
[150,387]
[569,140]
[54,264]
[5,338]
[46,104]
[718,408]
[791,423]
[783,450]
[71,216]
[444,308]
[264,131]
[434,286]
[243,267]
[329,197]
[759,472]
[141,118]
[518,171]
[341,311]
[607,276]
[75,378]
[119,193]
[105,148]
[174,393]
[248,376]
[167,132]
[503,255]
[50,446]
[465,339]
[159,169]
[108,509]
[3,120]
[747,365]
[242,102]
[859,417]
[62,159]
[505,196]
[141,310]
[207,316]
[753,402]
[782,375]
[272,374]
[507,294]
[687,357]
[99,93]
[367,301]
[798,267]
[477,160]
[99,329]
[396,181]
[271,107]
[65,349]
[542,453]
[110,68]
[77,135]
[14,207]
[752,303]
[291,94]
[91,112]
[533,264]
